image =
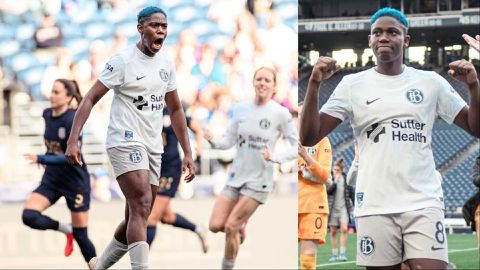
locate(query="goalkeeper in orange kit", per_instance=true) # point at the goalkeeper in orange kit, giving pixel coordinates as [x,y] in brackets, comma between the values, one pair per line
[314,166]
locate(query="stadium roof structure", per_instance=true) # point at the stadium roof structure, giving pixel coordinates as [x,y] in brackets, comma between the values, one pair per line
[329,34]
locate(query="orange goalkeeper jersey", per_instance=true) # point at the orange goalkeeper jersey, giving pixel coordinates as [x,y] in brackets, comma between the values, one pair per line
[312,197]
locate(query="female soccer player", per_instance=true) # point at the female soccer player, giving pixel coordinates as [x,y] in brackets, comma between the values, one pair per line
[254,129]
[143,80]
[59,178]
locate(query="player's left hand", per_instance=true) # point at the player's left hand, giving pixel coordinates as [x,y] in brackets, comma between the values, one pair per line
[187,164]
[31,157]
[463,71]
[266,154]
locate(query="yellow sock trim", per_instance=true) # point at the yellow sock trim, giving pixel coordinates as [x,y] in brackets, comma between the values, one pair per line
[308,262]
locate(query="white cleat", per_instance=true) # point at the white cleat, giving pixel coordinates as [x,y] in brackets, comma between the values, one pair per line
[202,235]
[92,263]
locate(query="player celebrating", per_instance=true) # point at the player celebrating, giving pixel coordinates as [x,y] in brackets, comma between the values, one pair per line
[143,79]
[254,129]
[170,175]
[59,178]
[392,109]
[314,166]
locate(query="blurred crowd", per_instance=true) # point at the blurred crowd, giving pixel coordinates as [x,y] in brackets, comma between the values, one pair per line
[210,77]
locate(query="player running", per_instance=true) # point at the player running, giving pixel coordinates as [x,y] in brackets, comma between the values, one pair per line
[143,80]
[170,175]
[59,178]
[392,109]
[254,129]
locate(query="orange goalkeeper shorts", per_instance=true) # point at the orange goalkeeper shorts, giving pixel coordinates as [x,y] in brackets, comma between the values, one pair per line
[312,227]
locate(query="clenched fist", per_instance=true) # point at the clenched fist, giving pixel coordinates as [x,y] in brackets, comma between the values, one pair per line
[463,71]
[324,68]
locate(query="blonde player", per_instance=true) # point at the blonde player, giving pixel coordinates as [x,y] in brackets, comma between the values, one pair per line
[314,166]
[254,129]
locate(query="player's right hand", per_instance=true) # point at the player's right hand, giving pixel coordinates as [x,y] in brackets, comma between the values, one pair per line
[324,68]
[73,154]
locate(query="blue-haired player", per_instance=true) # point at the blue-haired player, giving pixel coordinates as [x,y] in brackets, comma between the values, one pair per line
[143,80]
[59,178]
[392,109]
[169,180]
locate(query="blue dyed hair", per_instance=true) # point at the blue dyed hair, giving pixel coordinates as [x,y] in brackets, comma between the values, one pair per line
[147,11]
[399,16]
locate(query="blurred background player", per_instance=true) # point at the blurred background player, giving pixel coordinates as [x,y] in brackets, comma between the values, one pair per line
[171,172]
[398,132]
[314,166]
[341,197]
[143,79]
[254,130]
[60,178]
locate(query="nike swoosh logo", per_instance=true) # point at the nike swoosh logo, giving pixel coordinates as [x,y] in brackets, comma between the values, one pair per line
[371,101]
[437,248]
[139,78]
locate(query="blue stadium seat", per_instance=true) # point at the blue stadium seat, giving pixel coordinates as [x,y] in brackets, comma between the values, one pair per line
[25,32]
[97,30]
[22,61]
[8,48]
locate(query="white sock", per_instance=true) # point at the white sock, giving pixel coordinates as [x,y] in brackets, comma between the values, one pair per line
[335,251]
[65,227]
[199,229]
[228,264]
[112,254]
[138,252]
[342,250]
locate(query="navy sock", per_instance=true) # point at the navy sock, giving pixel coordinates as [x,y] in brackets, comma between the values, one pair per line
[86,246]
[184,223]
[151,231]
[36,220]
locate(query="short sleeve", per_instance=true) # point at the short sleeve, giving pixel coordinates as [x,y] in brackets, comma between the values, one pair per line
[113,73]
[172,83]
[338,105]
[449,102]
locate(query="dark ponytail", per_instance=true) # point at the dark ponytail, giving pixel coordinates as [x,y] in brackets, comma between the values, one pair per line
[72,89]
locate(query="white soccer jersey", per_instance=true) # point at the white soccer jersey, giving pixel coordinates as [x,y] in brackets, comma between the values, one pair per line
[140,83]
[251,129]
[392,118]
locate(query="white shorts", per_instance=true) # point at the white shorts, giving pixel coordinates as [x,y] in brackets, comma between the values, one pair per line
[135,157]
[384,240]
[234,193]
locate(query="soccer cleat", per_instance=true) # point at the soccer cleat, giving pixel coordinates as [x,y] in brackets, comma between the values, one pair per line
[342,257]
[202,235]
[69,245]
[92,263]
[333,258]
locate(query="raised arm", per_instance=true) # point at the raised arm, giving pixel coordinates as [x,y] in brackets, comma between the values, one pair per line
[97,91]
[469,117]
[179,124]
[314,125]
